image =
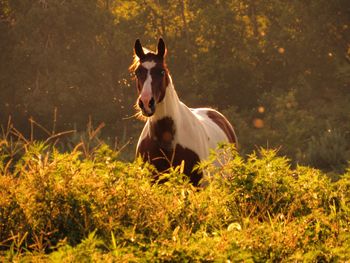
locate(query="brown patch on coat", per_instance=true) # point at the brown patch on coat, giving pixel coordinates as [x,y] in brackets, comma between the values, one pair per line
[158,149]
[163,131]
[224,124]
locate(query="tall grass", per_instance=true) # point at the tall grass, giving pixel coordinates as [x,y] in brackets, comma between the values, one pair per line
[87,205]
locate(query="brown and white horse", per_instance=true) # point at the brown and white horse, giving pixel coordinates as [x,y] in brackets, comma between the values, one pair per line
[173,132]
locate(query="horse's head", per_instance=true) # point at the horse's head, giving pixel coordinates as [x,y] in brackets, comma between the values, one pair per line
[151,77]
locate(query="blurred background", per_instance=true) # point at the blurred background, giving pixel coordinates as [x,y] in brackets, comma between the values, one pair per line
[279,70]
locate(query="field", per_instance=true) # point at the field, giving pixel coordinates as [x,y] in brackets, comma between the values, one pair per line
[87,205]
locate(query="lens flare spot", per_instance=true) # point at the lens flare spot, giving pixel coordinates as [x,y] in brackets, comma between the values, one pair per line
[258,123]
[261,109]
[281,50]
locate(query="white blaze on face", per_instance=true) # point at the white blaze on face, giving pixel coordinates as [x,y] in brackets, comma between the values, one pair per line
[146,93]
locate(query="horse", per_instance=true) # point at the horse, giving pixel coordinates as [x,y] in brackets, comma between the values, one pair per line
[173,133]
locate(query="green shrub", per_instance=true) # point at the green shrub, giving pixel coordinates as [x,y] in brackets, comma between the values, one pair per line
[74,207]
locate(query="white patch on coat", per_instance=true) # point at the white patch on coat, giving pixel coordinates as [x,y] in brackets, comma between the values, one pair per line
[146,93]
[148,64]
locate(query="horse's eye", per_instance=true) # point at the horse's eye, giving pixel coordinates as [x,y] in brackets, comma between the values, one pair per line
[162,72]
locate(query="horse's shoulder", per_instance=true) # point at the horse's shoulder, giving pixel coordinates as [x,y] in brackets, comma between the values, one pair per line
[145,141]
[157,137]
[144,145]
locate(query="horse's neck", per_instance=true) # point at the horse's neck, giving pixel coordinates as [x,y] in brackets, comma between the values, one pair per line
[169,107]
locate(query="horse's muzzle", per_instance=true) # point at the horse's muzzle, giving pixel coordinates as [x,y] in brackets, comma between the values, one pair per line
[148,110]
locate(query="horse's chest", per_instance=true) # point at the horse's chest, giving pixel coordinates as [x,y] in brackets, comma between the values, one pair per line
[160,149]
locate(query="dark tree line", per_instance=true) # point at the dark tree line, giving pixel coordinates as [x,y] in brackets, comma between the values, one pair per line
[279,70]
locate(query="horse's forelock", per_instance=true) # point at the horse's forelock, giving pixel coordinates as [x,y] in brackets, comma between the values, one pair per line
[136,61]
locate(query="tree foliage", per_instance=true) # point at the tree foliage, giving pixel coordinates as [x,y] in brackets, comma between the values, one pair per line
[238,56]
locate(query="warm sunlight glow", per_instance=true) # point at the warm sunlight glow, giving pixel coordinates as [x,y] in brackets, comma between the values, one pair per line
[258,123]
[177,131]
[261,109]
[281,50]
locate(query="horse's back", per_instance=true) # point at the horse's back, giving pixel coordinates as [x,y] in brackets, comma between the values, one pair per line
[216,125]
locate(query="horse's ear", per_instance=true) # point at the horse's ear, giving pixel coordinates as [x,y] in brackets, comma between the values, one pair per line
[161,50]
[138,49]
